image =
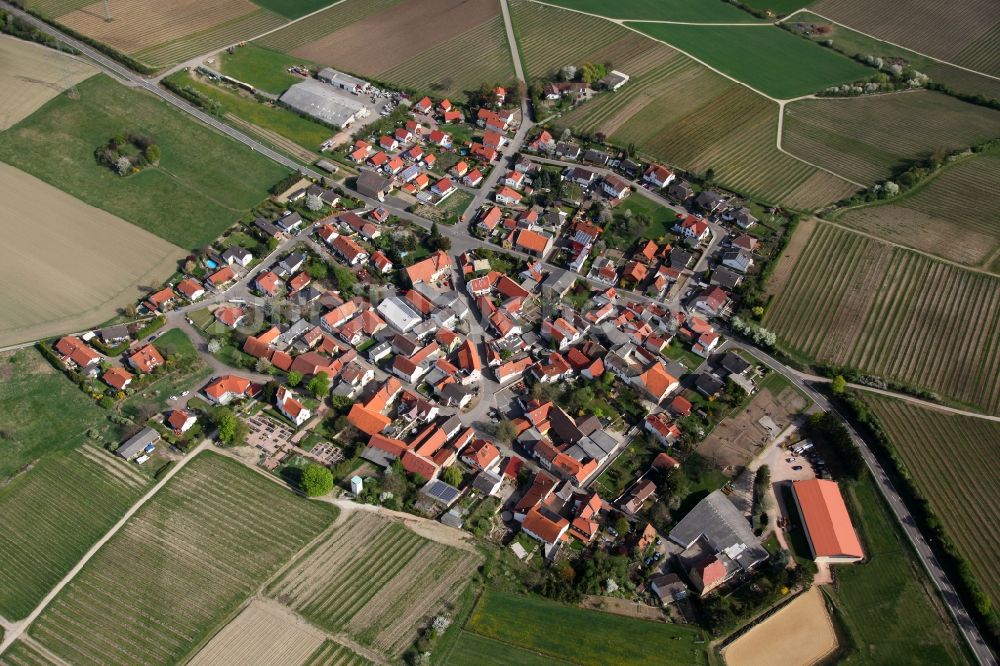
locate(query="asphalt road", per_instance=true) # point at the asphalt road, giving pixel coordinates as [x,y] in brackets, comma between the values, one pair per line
[458,234]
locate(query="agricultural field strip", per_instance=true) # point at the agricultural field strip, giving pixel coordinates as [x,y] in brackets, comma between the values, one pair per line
[917,435]
[321,23]
[898,46]
[24,653]
[334,654]
[204,512]
[189,46]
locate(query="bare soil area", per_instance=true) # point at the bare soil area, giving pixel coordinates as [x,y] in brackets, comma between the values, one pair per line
[800,634]
[140,24]
[264,633]
[786,264]
[405,30]
[33,74]
[736,440]
[64,265]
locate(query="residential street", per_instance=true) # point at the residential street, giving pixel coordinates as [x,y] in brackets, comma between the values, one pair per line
[462,241]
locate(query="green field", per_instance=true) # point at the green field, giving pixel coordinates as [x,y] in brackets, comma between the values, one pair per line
[262,68]
[23,654]
[867,139]
[204,183]
[705,11]
[769,59]
[661,218]
[585,637]
[284,122]
[686,115]
[928,217]
[435,71]
[892,313]
[777,7]
[53,514]
[180,566]
[374,579]
[852,43]
[293,9]
[885,603]
[475,650]
[962,486]
[41,411]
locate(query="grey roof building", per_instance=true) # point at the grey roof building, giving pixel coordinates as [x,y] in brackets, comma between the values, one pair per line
[716,527]
[323,102]
[135,445]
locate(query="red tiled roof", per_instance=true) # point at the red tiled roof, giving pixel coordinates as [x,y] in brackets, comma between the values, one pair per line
[117,377]
[828,524]
[146,359]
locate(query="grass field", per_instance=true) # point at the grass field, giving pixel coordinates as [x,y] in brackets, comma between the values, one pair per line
[293,9]
[851,43]
[475,650]
[889,609]
[374,579]
[585,637]
[866,138]
[769,59]
[963,32]
[961,485]
[697,11]
[954,203]
[32,75]
[684,114]
[187,200]
[53,514]
[41,412]
[301,131]
[894,314]
[260,67]
[326,22]
[47,266]
[180,566]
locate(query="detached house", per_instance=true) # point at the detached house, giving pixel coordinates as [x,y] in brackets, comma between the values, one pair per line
[693,228]
[658,175]
[146,359]
[615,187]
[290,406]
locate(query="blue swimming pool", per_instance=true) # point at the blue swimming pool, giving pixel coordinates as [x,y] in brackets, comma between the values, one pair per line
[211,264]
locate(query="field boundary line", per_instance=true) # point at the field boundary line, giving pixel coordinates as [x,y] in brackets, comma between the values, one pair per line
[15,629]
[781,129]
[886,41]
[907,248]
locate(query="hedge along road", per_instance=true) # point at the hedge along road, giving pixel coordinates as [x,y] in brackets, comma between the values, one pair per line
[962,617]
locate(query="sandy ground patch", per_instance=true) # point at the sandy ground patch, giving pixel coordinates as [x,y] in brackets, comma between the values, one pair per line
[31,75]
[65,265]
[738,439]
[264,633]
[140,24]
[799,634]
[800,238]
[406,30]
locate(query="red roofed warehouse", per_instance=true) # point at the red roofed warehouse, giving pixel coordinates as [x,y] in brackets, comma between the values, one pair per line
[828,525]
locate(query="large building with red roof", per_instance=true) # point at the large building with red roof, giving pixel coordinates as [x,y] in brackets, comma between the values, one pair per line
[827,523]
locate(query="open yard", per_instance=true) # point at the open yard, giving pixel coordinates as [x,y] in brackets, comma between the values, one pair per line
[800,633]
[956,203]
[589,638]
[889,609]
[951,461]
[32,75]
[867,138]
[41,411]
[442,47]
[53,513]
[895,314]
[663,10]
[180,567]
[260,67]
[686,115]
[376,580]
[187,200]
[73,265]
[963,32]
[769,59]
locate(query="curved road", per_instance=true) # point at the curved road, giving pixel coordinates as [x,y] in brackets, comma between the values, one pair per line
[948,593]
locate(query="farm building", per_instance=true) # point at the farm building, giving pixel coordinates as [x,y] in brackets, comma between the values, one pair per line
[324,103]
[351,84]
[828,526]
[142,442]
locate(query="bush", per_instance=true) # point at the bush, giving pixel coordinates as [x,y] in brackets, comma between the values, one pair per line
[316,480]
